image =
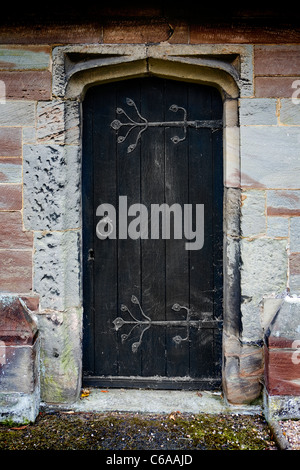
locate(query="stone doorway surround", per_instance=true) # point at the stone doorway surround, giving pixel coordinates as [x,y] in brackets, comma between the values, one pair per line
[52,199]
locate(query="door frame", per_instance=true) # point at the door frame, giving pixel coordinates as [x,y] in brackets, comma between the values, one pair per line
[76,68]
[210,379]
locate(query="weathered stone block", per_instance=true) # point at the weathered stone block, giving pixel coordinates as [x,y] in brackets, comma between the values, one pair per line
[16,271]
[12,235]
[283,203]
[282,350]
[10,197]
[240,389]
[277,227]
[250,312]
[232,177]
[258,111]
[30,85]
[277,59]
[295,283]
[295,234]
[24,57]
[274,87]
[278,407]
[270,157]
[289,111]
[253,218]
[61,352]
[29,135]
[53,34]
[133,32]
[10,141]
[17,113]
[294,263]
[232,203]
[52,191]
[19,362]
[11,170]
[264,267]
[58,122]
[57,270]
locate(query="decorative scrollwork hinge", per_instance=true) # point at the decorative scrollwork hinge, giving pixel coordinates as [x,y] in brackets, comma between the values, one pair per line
[145,323]
[142,124]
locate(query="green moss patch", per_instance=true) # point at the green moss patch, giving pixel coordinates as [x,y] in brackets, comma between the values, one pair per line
[128,431]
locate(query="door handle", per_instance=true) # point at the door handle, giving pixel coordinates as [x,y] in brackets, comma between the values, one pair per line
[101,231]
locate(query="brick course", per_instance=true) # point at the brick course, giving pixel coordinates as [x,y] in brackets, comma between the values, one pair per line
[12,235]
[29,85]
[10,141]
[10,197]
[15,271]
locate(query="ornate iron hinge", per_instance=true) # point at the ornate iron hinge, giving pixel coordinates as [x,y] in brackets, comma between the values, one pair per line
[142,124]
[146,323]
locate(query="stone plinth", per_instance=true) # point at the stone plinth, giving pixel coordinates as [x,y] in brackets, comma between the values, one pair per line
[282,361]
[19,362]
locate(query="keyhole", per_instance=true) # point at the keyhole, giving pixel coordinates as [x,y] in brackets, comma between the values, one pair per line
[91,255]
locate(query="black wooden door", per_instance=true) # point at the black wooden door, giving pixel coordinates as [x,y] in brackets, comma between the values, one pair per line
[152,303]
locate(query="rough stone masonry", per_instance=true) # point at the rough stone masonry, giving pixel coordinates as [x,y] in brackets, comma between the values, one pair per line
[40,171]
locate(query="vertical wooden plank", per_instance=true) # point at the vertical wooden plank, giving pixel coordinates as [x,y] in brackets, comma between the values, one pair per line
[129,275]
[201,261]
[177,257]
[153,251]
[106,344]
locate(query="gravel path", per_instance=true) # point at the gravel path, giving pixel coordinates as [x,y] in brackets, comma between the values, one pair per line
[291,432]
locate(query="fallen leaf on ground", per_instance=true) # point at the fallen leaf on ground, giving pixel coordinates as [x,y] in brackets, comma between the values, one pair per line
[85,393]
[21,427]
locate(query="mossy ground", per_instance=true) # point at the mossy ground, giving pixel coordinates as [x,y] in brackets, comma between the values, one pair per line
[125,431]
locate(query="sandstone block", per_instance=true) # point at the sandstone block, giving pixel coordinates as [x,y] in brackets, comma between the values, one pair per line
[58,122]
[270,157]
[277,227]
[274,87]
[264,267]
[61,355]
[16,271]
[290,111]
[253,219]
[10,141]
[257,111]
[295,263]
[11,170]
[10,197]
[57,270]
[295,234]
[277,59]
[29,85]
[12,235]
[17,113]
[24,57]
[19,362]
[52,192]
[283,203]
[282,350]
